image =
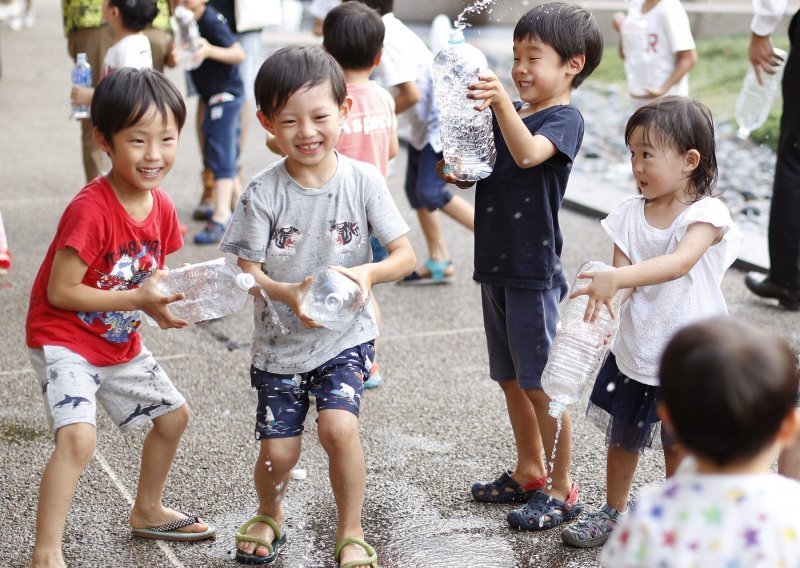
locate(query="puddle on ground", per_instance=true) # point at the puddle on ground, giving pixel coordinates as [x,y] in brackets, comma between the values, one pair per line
[15,433]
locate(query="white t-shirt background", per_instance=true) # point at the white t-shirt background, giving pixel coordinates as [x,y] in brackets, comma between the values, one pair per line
[131,51]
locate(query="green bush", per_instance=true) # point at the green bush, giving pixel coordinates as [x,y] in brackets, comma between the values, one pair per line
[715,80]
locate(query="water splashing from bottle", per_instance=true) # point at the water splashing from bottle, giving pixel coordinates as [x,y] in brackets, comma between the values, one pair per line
[273,314]
[475,8]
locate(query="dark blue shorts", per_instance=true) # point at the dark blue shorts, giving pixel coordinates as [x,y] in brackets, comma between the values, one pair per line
[626,409]
[221,129]
[283,400]
[520,325]
[424,188]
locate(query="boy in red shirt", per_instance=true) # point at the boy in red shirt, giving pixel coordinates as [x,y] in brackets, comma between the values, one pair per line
[86,307]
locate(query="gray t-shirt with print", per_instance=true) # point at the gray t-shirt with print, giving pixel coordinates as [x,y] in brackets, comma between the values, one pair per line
[293,230]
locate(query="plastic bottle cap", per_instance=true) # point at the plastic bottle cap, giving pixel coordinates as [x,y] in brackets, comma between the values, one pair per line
[245,281]
[299,473]
[456,36]
[555,409]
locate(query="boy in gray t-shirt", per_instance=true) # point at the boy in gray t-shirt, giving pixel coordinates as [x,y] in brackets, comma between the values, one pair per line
[314,208]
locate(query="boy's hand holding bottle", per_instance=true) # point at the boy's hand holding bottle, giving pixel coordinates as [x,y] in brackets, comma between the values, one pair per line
[445,174]
[489,91]
[155,304]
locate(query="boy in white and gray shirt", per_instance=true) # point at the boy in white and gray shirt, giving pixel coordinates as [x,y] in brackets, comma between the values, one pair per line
[312,209]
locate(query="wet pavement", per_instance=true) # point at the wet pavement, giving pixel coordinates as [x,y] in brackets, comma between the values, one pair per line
[436,425]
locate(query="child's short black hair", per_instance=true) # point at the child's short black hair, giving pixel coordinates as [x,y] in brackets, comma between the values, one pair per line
[293,68]
[353,34]
[569,29]
[126,95]
[382,6]
[727,387]
[682,124]
[136,14]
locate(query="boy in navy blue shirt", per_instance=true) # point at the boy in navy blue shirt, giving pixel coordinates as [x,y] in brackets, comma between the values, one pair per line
[518,247]
[220,86]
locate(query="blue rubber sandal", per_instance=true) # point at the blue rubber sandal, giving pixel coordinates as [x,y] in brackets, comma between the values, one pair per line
[544,512]
[273,547]
[437,274]
[505,490]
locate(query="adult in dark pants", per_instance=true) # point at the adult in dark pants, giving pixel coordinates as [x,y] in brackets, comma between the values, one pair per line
[783,280]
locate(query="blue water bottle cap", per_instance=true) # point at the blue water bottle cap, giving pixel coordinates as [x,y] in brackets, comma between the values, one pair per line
[555,409]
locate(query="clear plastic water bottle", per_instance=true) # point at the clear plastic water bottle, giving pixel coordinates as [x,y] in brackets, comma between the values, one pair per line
[639,65]
[578,348]
[184,27]
[754,102]
[467,137]
[333,299]
[213,289]
[81,77]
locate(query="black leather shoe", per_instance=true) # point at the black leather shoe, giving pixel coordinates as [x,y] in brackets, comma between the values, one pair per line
[762,286]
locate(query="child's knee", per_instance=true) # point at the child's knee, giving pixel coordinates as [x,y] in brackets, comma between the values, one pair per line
[76,442]
[337,430]
[173,423]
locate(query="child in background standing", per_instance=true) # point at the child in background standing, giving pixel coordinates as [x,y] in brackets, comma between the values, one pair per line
[657,34]
[728,392]
[518,247]
[353,35]
[219,85]
[406,70]
[86,307]
[672,246]
[308,210]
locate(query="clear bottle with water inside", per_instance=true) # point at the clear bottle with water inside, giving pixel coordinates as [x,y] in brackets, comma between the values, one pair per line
[213,289]
[467,137]
[333,299]
[184,26]
[579,347]
[81,77]
[755,100]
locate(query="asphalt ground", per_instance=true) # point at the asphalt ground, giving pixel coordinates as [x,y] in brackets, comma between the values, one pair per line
[436,425]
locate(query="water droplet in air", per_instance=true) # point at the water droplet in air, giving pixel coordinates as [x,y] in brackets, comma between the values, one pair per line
[611,387]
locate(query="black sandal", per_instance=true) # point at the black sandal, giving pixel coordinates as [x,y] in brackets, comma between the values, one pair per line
[505,490]
[544,512]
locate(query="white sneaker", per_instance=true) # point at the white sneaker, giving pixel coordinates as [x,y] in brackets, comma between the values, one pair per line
[15,23]
[30,18]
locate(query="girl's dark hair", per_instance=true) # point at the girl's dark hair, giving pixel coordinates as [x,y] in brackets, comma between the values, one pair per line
[682,124]
[136,14]
[353,34]
[727,387]
[122,98]
[293,68]
[569,29]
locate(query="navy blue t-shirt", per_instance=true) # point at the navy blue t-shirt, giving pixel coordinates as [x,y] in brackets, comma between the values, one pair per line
[213,76]
[517,236]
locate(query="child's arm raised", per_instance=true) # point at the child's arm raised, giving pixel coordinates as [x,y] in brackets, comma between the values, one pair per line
[66,291]
[699,236]
[528,150]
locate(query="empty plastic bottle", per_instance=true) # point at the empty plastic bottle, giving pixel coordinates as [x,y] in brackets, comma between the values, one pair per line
[578,348]
[213,289]
[81,77]
[184,27]
[333,299]
[467,137]
[755,100]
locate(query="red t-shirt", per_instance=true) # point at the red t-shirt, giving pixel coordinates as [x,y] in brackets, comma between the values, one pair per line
[121,253]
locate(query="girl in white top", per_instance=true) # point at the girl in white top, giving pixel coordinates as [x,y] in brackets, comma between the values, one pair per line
[672,246]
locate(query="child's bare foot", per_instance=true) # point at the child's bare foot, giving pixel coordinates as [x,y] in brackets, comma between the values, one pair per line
[165,516]
[48,559]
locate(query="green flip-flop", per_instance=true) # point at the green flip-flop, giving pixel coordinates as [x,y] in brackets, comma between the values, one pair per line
[273,547]
[371,561]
